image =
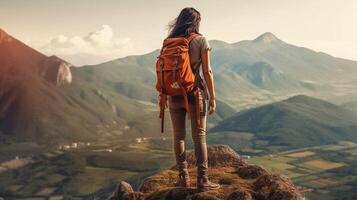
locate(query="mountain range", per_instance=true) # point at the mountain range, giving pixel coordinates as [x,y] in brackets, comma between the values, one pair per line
[45,98]
[268,69]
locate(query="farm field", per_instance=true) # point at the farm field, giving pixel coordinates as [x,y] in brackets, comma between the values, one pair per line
[84,173]
[323,172]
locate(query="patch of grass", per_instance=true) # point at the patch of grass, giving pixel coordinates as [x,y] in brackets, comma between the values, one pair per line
[305,178]
[301,154]
[239,141]
[55,178]
[323,165]
[333,147]
[132,161]
[278,163]
[46,191]
[352,152]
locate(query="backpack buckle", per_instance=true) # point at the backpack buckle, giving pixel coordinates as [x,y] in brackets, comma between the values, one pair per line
[161,64]
[175,63]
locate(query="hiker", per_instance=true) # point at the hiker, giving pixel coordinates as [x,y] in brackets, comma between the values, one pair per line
[183,59]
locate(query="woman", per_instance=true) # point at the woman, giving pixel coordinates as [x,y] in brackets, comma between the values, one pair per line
[184,25]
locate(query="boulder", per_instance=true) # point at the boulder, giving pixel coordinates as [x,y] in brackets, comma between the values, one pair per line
[240,194]
[124,191]
[250,171]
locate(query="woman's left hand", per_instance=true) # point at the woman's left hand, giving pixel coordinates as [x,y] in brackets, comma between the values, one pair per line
[212,106]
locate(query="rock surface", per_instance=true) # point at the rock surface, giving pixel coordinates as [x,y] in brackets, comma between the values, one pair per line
[238,179]
[56,71]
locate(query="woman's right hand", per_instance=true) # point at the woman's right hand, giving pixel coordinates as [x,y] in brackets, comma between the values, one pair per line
[208,75]
[212,106]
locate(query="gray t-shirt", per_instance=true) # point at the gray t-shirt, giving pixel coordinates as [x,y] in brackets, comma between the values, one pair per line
[197,46]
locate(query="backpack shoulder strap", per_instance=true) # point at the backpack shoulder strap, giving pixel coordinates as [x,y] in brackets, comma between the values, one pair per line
[191,37]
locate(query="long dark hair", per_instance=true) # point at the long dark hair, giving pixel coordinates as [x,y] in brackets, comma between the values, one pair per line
[186,23]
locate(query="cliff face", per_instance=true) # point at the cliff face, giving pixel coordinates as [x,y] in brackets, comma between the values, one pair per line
[56,71]
[239,181]
[17,61]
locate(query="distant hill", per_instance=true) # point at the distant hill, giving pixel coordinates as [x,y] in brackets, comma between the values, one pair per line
[294,123]
[352,106]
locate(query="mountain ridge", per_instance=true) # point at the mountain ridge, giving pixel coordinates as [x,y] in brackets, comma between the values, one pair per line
[122,91]
[297,122]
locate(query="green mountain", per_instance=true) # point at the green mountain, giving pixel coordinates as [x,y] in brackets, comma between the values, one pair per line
[296,122]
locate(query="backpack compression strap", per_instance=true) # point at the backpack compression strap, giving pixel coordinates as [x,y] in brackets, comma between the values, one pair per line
[191,37]
[163,101]
[163,97]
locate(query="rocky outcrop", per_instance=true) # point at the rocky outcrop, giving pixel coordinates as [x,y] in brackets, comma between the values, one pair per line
[124,191]
[56,71]
[239,181]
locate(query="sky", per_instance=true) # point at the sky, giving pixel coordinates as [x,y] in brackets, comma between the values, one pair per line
[91,31]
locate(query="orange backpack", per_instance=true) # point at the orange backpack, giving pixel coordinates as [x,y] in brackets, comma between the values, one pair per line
[175,76]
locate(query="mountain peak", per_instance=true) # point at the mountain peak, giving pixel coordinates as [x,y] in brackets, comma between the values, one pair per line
[267,37]
[310,101]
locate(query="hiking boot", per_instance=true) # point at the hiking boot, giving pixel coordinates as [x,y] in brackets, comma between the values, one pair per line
[203,184]
[183,181]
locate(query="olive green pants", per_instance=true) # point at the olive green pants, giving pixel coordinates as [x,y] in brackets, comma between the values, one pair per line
[178,118]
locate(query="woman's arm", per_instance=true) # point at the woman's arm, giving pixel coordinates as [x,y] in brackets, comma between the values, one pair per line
[208,75]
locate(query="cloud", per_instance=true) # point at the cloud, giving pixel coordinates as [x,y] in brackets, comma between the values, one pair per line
[95,47]
[102,37]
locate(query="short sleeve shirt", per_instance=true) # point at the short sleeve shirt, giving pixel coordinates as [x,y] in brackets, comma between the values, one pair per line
[198,45]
